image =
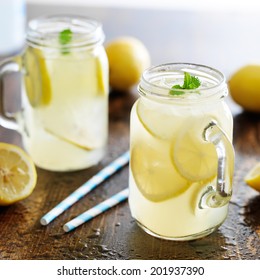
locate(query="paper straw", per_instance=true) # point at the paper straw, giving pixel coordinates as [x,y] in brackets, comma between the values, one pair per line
[86,188]
[96,210]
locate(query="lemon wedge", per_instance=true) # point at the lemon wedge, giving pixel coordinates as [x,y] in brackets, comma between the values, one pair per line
[252,178]
[37,79]
[17,174]
[194,158]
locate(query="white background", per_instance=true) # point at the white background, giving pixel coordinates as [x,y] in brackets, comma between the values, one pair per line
[214,270]
[233,5]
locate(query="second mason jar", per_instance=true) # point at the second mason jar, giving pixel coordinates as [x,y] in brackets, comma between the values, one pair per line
[182,159]
[64,119]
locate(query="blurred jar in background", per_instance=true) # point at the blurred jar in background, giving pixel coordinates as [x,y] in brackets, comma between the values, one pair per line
[12,26]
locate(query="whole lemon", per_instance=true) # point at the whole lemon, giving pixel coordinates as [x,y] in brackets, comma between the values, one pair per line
[128,58]
[244,87]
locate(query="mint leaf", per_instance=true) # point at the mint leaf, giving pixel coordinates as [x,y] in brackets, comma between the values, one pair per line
[65,38]
[190,82]
[187,80]
[176,92]
[194,82]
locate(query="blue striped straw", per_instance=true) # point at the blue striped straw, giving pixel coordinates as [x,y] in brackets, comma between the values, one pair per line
[86,188]
[96,210]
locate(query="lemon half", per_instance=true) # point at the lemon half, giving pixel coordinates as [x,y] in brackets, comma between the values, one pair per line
[17,174]
[252,178]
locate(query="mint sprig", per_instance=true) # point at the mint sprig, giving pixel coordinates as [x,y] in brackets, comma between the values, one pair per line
[190,82]
[65,38]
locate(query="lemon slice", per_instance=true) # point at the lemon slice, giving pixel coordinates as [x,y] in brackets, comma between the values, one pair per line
[17,174]
[82,124]
[102,80]
[151,165]
[194,158]
[154,174]
[37,79]
[78,145]
[252,178]
[158,120]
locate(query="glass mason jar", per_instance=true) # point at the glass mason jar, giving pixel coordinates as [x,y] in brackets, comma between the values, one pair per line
[182,159]
[64,116]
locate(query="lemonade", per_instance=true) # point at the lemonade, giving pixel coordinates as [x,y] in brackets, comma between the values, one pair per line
[65,94]
[177,143]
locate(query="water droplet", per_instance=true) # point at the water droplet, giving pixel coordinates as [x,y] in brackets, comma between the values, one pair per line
[102,248]
[223,248]
[94,235]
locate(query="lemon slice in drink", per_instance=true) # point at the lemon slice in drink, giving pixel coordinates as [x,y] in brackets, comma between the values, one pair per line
[151,165]
[17,174]
[252,178]
[37,79]
[194,158]
[154,174]
[102,79]
[158,119]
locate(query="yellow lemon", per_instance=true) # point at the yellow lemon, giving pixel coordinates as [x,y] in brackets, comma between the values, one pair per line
[37,79]
[128,58]
[100,77]
[244,87]
[252,178]
[17,174]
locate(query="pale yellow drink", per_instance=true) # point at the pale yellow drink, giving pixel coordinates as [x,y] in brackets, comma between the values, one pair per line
[65,98]
[172,164]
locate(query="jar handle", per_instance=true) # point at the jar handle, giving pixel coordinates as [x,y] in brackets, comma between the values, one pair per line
[6,119]
[220,194]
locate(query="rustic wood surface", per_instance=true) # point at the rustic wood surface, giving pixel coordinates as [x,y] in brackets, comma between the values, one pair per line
[114,234]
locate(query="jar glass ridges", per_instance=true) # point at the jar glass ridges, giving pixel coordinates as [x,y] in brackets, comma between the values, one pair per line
[179,146]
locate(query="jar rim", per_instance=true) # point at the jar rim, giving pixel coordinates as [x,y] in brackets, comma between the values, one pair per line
[149,89]
[44,31]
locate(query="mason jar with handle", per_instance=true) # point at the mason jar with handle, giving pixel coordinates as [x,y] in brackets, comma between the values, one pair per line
[64,115]
[181,153]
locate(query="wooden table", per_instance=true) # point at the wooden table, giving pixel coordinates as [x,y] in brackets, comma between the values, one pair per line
[204,37]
